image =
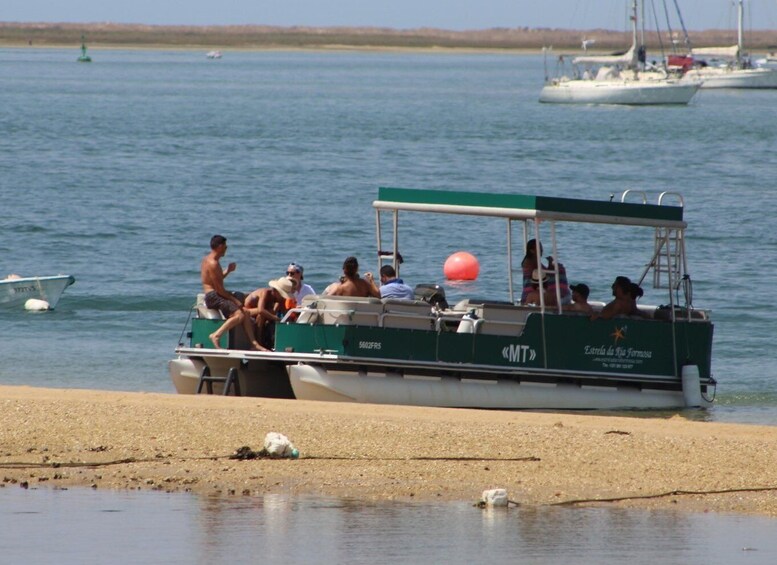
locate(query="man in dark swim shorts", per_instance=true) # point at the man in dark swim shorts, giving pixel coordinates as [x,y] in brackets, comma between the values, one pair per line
[226,307]
[216,296]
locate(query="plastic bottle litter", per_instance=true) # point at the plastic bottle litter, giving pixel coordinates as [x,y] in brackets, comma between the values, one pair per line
[495,497]
[278,445]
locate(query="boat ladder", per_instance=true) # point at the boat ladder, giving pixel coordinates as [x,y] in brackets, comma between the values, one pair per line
[668,257]
[231,381]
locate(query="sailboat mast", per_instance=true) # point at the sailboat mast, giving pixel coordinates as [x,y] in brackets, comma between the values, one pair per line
[740,30]
[636,48]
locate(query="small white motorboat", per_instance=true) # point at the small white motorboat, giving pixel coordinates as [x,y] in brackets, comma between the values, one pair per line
[213,54]
[17,291]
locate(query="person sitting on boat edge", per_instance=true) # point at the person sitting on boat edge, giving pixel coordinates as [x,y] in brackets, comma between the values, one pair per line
[354,285]
[580,293]
[267,306]
[622,304]
[230,304]
[390,285]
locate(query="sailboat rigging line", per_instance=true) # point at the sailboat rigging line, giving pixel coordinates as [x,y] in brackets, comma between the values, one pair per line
[668,25]
[658,32]
[686,38]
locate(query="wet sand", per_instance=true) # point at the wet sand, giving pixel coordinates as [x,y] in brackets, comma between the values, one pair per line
[54,438]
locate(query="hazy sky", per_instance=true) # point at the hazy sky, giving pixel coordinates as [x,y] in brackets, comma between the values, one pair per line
[400,14]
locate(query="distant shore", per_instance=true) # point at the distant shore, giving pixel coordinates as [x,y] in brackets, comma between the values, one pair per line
[518,40]
[56,438]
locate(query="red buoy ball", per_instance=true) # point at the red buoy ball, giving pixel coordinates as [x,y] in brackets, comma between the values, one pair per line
[461,266]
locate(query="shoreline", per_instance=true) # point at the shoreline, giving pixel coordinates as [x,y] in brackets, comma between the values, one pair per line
[324,48]
[257,37]
[59,438]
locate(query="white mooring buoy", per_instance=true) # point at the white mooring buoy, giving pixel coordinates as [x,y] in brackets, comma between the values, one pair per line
[36,305]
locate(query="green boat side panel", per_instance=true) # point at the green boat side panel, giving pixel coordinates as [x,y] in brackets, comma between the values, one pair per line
[201,330]
[573,343]
[625,345]
[526,203]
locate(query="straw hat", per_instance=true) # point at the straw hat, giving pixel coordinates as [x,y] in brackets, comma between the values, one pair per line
[284,285]
[535,276]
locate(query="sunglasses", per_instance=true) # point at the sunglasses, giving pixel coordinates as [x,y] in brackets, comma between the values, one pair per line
[291,273]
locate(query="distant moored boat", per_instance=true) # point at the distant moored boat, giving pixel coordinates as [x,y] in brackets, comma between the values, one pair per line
[213,54]
[15,291]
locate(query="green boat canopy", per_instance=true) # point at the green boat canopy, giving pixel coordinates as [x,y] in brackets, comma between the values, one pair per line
[525,207]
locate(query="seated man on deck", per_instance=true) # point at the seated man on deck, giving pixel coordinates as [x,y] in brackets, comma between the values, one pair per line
[622,304]
[352,284]
[230,304]
[390,285]
[580,294]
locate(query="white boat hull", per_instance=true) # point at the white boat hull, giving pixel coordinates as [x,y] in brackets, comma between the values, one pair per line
[314,382]
[733,78]
[625,92]
[15,292]
[185,374]
[256,377]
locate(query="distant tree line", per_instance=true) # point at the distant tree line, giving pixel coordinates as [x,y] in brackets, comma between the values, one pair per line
[265,37]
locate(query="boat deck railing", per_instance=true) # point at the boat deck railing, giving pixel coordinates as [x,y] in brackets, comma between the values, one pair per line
[492,318]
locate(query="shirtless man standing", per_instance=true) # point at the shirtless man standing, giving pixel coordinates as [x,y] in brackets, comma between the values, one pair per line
[218,298]
[353,284]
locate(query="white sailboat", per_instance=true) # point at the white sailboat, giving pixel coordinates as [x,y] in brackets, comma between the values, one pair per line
[736,71]
[618,79]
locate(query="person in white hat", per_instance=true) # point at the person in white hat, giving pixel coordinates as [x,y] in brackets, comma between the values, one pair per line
[265,305]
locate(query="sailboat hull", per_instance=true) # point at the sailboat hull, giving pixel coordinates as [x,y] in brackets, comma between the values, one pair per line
[636,93]
[733,77]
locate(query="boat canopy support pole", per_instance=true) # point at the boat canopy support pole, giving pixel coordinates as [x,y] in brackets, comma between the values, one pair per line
[510,259]
[394,253]
[380,243]
[542,294]
[555,265]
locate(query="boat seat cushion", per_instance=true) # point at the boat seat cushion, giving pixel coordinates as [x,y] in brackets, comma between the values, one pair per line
[205,312]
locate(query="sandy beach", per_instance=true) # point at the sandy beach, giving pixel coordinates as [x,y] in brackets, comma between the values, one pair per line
[55,438]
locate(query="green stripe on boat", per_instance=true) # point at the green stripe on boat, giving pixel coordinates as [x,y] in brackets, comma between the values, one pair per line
[527,206]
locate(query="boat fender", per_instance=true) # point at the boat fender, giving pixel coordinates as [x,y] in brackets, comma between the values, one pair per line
[36,305]
[468,323]
[691,386]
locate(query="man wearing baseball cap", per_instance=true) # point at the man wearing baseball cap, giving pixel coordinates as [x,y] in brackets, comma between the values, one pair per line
[297,272]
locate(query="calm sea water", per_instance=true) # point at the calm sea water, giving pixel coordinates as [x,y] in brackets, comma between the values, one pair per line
[154,527]
[119,172]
